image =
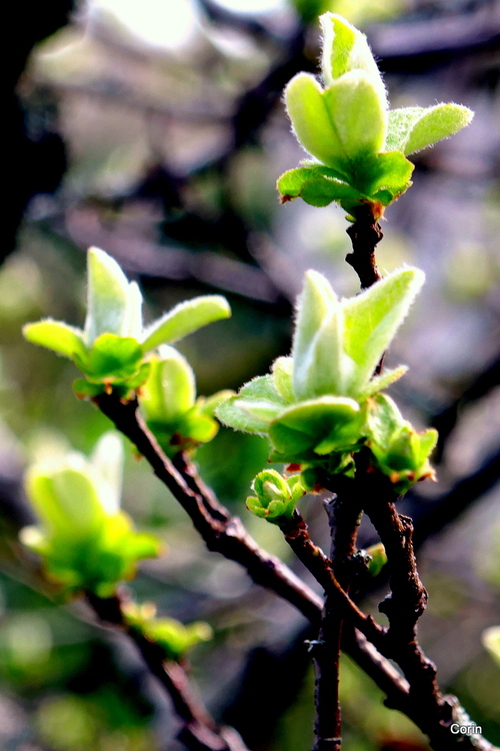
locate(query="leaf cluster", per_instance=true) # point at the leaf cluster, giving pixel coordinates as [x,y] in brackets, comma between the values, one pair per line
[85,540]
[359,146]
[322,404]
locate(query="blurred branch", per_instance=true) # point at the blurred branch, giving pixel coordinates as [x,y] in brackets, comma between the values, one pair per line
[445,421]
[199,731]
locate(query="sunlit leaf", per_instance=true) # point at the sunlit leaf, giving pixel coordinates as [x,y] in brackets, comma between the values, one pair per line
[58,336]
[185,318]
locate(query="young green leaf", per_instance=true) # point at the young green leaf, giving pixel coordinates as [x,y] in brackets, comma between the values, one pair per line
[314,305]
[107,296]
[57,336]
[345,49]
[311,120]
[358,115]
[413,128]
[170,390]
[185,318]
[373,317]
[111,358]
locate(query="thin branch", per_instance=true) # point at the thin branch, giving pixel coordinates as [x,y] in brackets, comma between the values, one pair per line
[365,234]
[226,534]
[199,731]
[221,532]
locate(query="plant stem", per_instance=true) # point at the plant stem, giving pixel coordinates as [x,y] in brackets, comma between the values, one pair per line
[199,731]
[365,234]
[226,534]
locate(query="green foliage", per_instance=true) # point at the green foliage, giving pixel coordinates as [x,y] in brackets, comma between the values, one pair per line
[276,495]
[359,145]
[316,406]
[400,452]
[168,401]
[111,349]
[174,637]
[491,640]
[377,558]
[85,541]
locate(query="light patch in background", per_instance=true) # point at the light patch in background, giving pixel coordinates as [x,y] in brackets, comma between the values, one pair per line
[162,23]
[252,6]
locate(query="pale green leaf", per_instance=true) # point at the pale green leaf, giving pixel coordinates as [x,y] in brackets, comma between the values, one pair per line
[399,126]
[230,414]
[373,317]
[170,390]
[381,382]
[57,336]
[261,388]
[314,304]
[344,49]
[65,498]
[311,121]
[132,324]
[413,128]
[326,369]
[282,370]
[358,115]
[185,318]
[437,123]
[261,410]
[107,296]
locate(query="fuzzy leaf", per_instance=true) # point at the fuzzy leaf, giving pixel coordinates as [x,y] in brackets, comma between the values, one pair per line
[107,296]
[315,188]
[412,129]
[326,369]
[57,336]
[262,410]
[318,417]
[311,121]
[373,317]
[390,171]
[358,115]
[321,191]
[111,358]
[170,390]
[185,318]
[314,304]
[230,414]
[261,388]
[345,49]
[382,381]
[65,499]
[132,323]
[282,369]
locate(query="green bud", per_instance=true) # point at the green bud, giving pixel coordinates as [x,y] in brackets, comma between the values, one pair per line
[277,496]
[86,542]
[110,350]
[377,558]
[171,635]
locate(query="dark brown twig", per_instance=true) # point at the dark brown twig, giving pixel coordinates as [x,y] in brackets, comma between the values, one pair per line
[199,731]
[226,534]
[365,234]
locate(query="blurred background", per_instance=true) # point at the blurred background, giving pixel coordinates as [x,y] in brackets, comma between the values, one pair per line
[156,131]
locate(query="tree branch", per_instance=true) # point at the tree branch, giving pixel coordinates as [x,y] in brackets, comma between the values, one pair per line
[365,234]
[199,731]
